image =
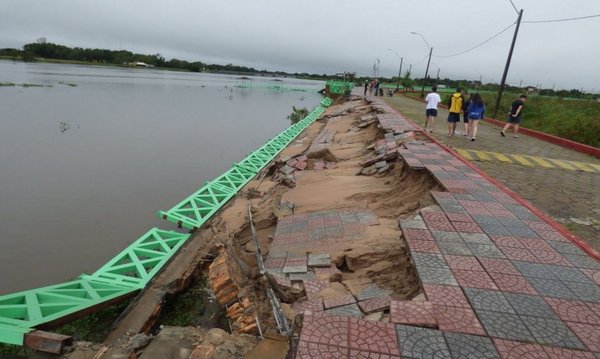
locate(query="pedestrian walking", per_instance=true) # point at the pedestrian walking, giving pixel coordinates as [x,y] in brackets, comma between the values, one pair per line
[475,111]
[366,87]
[432,99]
[454,109]
[466,100]
[514,116]
[376,87]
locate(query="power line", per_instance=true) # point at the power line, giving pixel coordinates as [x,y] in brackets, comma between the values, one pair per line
[478,45]
[560,20]
[423,59]
[514,7]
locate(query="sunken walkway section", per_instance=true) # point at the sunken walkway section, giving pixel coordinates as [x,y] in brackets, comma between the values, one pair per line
[499,281]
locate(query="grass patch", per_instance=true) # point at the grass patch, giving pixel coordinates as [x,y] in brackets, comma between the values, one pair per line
[187,307]
[13,350]
[94,327]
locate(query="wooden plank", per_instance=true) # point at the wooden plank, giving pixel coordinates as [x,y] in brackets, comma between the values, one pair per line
[47,342]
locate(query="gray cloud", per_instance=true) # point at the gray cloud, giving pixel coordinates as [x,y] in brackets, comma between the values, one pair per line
[328,36]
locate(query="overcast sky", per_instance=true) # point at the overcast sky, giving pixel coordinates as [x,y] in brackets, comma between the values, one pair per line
[327,36]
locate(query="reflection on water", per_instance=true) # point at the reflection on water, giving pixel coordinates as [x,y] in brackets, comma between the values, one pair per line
[130,142]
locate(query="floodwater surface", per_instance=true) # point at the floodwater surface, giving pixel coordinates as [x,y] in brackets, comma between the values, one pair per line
[87,159]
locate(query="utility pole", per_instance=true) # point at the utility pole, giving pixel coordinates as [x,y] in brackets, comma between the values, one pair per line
[437,77]
[512,46]
[426,72]
[399,73]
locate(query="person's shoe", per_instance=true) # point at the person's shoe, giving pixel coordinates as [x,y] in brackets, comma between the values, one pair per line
[502,133]
[464,134]
[472,139]
[515,136]
[430,131]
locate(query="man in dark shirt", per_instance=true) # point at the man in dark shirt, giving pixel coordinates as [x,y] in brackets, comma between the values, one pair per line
[514,116]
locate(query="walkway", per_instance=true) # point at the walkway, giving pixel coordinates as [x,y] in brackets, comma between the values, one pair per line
[499,281]
[570,196]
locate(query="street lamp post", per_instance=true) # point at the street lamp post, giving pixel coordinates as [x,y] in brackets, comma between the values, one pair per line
[428,61]
[400,69]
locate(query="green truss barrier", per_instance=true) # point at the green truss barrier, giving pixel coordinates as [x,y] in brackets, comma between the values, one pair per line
[271,85]
[195,210]
[134,267]
[339,87]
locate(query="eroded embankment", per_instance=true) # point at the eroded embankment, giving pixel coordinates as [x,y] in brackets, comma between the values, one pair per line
[326,218]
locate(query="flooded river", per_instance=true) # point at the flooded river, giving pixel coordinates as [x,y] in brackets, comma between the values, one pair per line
[89,154]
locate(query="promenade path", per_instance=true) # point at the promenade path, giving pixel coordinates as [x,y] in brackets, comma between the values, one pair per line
[498,280]
[569,195]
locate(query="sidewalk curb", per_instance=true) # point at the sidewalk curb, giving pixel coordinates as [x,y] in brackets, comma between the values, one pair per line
[561,229]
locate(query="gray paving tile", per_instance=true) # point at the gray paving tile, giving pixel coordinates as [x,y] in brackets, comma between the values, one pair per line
[453,208]
[415,223]
[566,247]
[495,229]
[511,222]
[530,305]
[571,275]
[504,326]
[517,208]
[436,276]
[534,270]
[522,231]
[551,288]
[582,261]
[480,238]
[446,236]
[470,346]
[429,260]
[319,260]
[588,292]
[485,250]
[488,300]
[350,310]
[551,332]
[485,219]
[454,248]
[418,342]
[372,291]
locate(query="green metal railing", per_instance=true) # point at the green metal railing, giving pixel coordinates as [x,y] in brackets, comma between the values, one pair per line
[271,85]
[134,267]
[339,87]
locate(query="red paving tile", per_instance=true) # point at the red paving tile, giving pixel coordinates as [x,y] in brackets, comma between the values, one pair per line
[467,227]
[551,236]
[592,274]
[446,295]
[560,353]
[440,226]
[313,305]
[517,350]
[517,254]
[423,246]
[474,279]
[496,265]
[459,217]
[459,320]
[512,283]
[463,263]
[574,311]
[339,301]
[369,355]
[312,287]
[324,328]
[507,241]
[417,234]
[375,304]
[549,257]
[309,350]
[374,337]
[588,334]
[412,313]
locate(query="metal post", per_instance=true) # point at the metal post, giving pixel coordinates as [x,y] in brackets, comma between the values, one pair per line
[512,46]
[437,77]
[426,71]
[399,73]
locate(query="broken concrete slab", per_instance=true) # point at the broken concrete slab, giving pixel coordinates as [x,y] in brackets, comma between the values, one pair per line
[319,260]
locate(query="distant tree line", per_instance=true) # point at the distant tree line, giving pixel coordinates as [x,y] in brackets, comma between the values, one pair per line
[47,50]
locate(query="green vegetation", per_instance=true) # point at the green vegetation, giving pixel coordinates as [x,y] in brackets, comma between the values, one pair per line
[94,327]
[186,308]
[297,114]
[12,350]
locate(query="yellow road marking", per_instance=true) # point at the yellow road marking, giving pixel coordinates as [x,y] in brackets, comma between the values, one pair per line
[465,154]
[530,161]
[542,162]
[562,164]
[522,160]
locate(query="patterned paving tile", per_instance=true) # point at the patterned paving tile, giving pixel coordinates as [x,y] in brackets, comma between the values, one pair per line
[485,219]
[442,276]
[350,310]
[423,247]
[458,217]
[370,355]
[530,305]
[467,227]
[504,326]
[454,248]
[463,263]
[314,305]
[325,329]
[582,261]
[470,346]
[575,311]
[460,320]
[415,223]
[517,350]
[309,350]
[512,283]
[551,288]
[584,291]
[592,274]
[480,238]
[551,332]
[535,270]
[412,313]
[517,254]
[488,300]
[446,236]
[426,260]
[417,234]
[485,250]
[375,304]
[508,241]
[497,265]
[374,337]
[588,334]
[566,247]
[560,353]
[418,342]
[372,291]
[474,279]
[338,301]
[446,295]
[313,287]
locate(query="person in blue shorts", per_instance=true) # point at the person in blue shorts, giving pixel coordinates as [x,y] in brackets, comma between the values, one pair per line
[474,112]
